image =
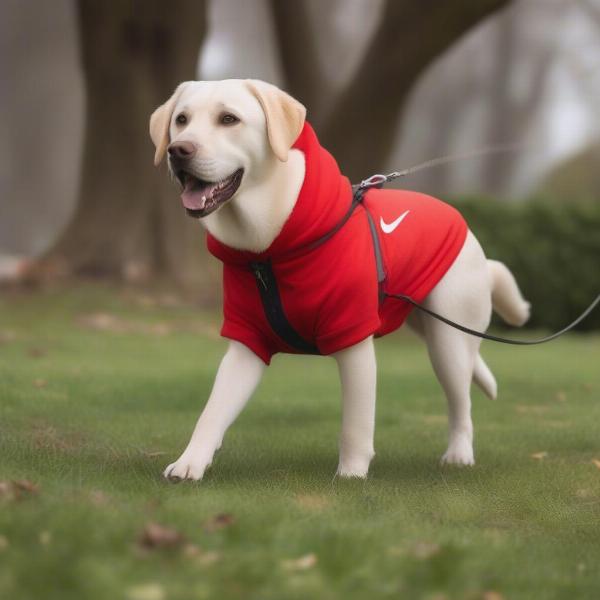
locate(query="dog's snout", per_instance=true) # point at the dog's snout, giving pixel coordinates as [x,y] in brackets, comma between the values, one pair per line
[182,150]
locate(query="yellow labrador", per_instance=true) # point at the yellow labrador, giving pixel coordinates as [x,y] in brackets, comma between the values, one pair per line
[229,143]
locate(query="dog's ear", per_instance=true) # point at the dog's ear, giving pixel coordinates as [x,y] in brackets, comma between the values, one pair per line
[285,116]
[160,121]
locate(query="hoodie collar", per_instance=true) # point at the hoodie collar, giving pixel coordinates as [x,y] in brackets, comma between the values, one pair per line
[322,202]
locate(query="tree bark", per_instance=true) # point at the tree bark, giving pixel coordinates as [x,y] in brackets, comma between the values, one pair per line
[361,128]
[128,220]
[298,54]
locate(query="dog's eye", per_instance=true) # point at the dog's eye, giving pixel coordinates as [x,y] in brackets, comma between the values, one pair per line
[229,119]
[181,119]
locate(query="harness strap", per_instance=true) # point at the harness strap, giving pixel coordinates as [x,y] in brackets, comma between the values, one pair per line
[269,291]
[271,301]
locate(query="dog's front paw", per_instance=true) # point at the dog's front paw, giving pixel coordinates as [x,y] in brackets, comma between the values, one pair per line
[349,472]
[355,467]
[187,467]
[460,452]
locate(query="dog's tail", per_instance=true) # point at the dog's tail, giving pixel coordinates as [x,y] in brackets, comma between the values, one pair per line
[507,299]
[509,303]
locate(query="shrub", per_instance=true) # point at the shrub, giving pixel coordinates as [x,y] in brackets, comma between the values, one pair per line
[552,249]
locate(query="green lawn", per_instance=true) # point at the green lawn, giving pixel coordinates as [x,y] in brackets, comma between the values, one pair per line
[99,390]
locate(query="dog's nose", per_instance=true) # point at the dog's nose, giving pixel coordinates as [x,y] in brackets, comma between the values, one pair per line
[182,150]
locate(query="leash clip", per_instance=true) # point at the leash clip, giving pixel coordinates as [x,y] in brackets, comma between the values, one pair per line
[373,181]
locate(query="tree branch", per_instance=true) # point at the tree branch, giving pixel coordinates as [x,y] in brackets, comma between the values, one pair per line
[360,130]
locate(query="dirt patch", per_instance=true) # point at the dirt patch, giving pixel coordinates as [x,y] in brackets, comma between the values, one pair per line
[48,437]
[312,502]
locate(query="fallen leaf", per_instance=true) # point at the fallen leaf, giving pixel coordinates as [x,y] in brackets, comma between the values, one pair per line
[6,489]
[99,498]
[220,521]
[26,487]
[158,536]
[208,558]
[145,301]
[36,352]
[203,558]
[596,462]
[561,396]
[7,336]
[492,595]
[313,502]
[539,455]
[425,550]
[15,490]
[103,322]
[146,591]
[45,538]
[114,324]
[40,383]
[303,563]
[160,329]
[3,543]
[192,550]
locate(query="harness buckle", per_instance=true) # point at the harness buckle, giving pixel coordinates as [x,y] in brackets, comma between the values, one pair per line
[375,180]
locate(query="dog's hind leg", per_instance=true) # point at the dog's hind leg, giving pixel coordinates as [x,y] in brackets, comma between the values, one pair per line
[482,375]
[484,378]
[463,295]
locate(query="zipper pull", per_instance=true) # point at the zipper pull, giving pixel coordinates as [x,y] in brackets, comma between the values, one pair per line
[259,274]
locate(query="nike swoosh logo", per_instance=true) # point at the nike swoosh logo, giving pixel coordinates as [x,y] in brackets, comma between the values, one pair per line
[389,227]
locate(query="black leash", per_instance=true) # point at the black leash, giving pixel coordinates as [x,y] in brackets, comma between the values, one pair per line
[495,338]
[378,180]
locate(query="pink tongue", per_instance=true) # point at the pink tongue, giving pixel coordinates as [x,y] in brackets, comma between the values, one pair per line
[194,197]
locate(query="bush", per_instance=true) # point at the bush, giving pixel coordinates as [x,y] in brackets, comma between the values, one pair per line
[552,249]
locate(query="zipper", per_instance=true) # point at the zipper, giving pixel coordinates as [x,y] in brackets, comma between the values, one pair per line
[271,301]
[259,274]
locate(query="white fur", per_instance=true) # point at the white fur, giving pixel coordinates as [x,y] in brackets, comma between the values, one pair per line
[255,215]
[252,219]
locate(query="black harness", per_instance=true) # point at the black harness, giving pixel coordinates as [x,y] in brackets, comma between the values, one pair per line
[273,307]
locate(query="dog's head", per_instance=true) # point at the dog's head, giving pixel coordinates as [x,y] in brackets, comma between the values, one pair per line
[221,136]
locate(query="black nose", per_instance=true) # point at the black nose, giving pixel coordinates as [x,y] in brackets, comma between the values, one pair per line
[182,150]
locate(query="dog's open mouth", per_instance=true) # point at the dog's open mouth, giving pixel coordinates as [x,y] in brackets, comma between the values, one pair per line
[200,198]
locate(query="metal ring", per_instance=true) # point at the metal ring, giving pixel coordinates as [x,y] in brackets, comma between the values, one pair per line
[373,180]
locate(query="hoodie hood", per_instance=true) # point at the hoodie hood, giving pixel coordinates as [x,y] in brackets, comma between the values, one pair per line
[322,202]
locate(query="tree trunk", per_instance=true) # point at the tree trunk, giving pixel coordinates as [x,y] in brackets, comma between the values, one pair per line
[512,113]
[298,54]
[128,221]
[361,128]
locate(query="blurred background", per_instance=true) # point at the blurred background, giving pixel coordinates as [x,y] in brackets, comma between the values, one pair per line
[387,84]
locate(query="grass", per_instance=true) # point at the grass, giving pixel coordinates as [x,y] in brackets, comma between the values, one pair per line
[93,406]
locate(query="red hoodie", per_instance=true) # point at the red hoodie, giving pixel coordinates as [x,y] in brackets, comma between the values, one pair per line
[330,294]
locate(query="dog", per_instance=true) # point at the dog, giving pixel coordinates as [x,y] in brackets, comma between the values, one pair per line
[253,172]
